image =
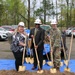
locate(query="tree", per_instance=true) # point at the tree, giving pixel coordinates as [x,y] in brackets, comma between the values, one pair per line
[28,14]
[1,11]
[45,10]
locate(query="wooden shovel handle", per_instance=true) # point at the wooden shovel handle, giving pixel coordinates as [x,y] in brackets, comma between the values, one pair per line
[70,47]
[36,53]
[51,52]
[46,54]
[63,48]
[23,53]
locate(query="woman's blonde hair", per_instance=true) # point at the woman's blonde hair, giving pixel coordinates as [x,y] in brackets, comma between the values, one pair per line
[16,30]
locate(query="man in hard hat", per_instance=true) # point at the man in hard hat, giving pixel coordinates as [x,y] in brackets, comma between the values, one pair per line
[56,44]
[38,34]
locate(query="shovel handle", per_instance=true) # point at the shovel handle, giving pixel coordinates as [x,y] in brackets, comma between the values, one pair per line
[36,53]
[51,52]
[24,52]
[46,54]
[63,48]
[70,48]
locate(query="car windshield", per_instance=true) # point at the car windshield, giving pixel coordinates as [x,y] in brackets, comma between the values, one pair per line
[2,29]
[7,28]
[45,27]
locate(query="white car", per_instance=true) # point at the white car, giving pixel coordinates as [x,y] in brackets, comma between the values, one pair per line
[10,29]
[68,31]
[3,34]
[73,32]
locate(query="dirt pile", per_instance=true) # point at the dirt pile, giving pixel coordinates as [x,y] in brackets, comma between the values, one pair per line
[13,72]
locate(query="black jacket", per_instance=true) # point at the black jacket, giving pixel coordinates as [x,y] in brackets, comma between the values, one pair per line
[39,38]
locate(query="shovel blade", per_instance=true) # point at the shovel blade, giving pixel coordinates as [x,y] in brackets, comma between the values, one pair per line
[44,62]
[50,63]
[31,61]
[22,68]
[53,70]
[40,71]
[27,59]
[67,69]
[66,62]
[61,63]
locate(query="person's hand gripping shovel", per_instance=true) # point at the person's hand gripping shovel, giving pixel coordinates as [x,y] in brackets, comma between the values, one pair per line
[40,71]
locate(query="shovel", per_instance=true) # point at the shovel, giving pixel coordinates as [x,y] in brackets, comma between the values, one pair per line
[65,61]
[67,65]
[49,62]
[52,70]
[27,59]
[40,71]
[31,60]
[22,68]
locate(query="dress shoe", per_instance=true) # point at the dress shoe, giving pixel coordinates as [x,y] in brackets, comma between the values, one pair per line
[33,68]
[57,68]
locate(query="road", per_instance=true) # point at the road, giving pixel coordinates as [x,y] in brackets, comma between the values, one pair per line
[5,52]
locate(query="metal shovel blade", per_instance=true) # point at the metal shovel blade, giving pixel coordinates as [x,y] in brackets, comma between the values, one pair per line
[53,70]
[61,63]
[66,62]
[22,68]
[44,62]
[27,59]
[40,71]
[67,69]
[50,63]
[31,60]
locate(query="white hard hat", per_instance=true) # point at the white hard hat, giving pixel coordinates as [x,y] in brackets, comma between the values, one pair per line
[21,24]
[37,21]
[53,21]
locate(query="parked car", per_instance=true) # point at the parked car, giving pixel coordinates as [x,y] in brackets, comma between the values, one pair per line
[73,32]
[14,26]
[45,27]
[47,32]
[3,34]
[68,31]
[10,29]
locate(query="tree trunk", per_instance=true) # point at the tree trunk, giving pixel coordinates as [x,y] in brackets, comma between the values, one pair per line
[28,14]
[44,11]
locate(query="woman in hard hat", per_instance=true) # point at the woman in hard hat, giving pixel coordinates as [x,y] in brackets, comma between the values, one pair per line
[17,45]
[38,34]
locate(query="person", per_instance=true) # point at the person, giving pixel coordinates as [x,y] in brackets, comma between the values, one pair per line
[38,34]
[18,43]
[55,36]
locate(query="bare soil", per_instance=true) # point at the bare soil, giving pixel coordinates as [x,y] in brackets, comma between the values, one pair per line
[13,72]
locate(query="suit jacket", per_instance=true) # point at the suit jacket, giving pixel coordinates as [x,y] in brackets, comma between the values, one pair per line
[39,38]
